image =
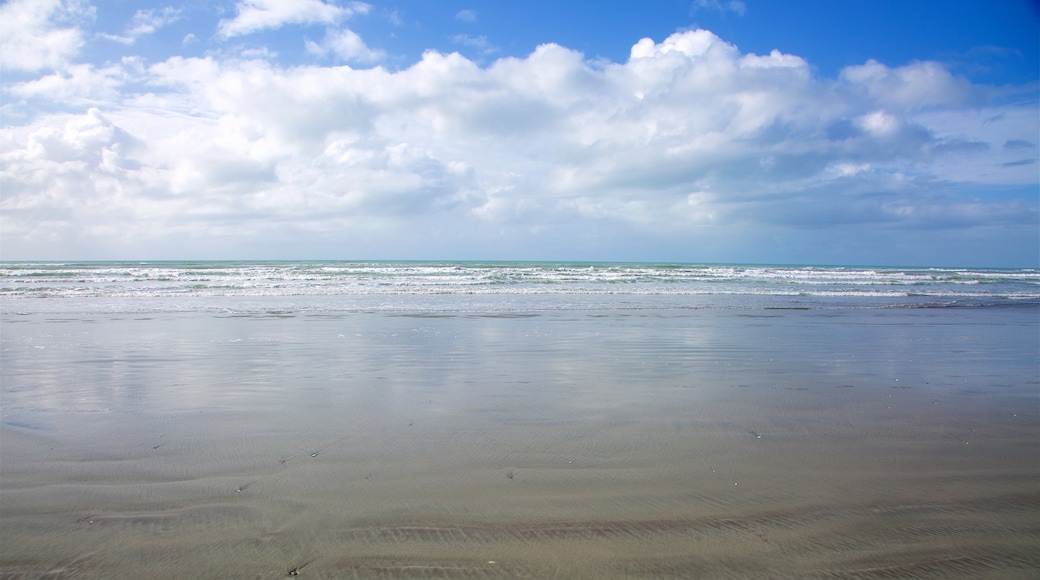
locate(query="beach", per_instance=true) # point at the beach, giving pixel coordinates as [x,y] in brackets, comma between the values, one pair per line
[620,442]
[698,289]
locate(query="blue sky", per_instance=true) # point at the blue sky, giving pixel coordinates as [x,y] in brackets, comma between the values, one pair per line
[902,133]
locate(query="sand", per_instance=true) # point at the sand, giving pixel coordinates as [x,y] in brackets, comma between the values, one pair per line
[576,445]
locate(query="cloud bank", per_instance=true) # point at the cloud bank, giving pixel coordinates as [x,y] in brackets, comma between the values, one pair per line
[690,145]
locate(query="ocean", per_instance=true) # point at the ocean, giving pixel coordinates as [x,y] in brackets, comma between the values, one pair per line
[502,286]
[492,419]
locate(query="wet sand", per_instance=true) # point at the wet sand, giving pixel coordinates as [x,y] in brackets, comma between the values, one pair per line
[712,444]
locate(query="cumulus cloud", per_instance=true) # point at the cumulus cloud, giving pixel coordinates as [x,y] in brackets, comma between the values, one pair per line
[256,15]
[41,34]
[69,166]
[688,136]
[920,84]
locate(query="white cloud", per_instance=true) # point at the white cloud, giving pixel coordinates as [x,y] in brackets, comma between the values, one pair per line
[688,134]
[690,44]
[879,123]
[75,85]
[146,22]
[916,85]
[41,34]
[256,15]
[70,170]
[466,15]
[347,46]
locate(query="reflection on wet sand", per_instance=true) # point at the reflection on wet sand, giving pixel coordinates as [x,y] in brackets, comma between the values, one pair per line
[690,444]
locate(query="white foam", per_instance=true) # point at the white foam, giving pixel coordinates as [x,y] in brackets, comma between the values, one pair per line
[286,279]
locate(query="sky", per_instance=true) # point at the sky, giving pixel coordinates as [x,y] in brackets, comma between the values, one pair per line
[860,132]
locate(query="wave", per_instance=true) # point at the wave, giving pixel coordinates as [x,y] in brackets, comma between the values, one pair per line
[87,280]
